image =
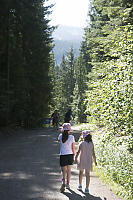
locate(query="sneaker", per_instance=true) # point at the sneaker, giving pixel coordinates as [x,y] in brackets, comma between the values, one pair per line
[67,186]
[62,189]
[80,187]
[86,190]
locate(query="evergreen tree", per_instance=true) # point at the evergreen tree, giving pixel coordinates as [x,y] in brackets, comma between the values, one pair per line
[110,38]
[81,71]
[65,83]
[25,41]
[70,61]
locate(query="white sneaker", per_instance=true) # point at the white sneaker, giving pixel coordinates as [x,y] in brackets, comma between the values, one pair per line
[80,187]
[67,186]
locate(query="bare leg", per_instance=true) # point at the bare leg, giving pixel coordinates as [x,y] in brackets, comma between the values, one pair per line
[62,189]
[87,173]
[68,173]
[80,176]
[64,172]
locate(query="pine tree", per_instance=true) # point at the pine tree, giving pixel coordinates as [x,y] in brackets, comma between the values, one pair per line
[25,49]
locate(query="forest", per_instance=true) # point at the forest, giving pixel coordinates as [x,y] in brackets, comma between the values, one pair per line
[97,85]
[25,45]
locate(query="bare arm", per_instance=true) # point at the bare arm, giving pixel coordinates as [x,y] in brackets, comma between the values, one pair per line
[77,155]
[73,148]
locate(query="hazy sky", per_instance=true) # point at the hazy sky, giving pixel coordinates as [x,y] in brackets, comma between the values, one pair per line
[69,12]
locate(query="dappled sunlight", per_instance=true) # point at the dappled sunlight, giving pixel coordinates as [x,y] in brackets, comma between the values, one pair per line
[43,136]
[78,195]
[15,175]
[47,191]
[74,194]
[37,188]
[52,173]
[33,172]
[30,166]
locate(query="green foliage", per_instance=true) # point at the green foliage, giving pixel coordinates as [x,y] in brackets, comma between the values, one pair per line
[78,106]
[25,45]
[70,85]
[102,90]
[110,101]
[109,98]
[115,159]
[109,45]
[64,83]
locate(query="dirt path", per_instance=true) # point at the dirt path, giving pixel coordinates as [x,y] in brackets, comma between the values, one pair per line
[29,169]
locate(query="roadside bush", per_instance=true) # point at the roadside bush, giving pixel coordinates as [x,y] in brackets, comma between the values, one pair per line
[116,160]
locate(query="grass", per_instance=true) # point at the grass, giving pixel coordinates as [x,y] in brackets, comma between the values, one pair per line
[117,189]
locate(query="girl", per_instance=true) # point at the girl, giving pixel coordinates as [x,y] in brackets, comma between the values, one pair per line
[67,152]
[86,150]
[83,135]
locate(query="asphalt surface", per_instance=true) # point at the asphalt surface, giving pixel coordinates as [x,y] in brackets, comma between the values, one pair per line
[29,169]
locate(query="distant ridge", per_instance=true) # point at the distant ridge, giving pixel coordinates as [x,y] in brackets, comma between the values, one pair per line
[68,33]
[66,37]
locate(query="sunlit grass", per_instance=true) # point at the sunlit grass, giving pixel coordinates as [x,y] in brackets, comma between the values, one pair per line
[117,189]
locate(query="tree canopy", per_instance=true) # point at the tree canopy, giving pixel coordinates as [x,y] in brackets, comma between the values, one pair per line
[102,76]
[25,45]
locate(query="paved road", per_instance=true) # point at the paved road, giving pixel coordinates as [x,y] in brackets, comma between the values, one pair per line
[29,169]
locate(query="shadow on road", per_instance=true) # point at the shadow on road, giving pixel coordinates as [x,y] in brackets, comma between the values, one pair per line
[29,165]
[74,196]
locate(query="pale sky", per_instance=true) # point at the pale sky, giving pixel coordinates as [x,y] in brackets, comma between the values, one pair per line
[69,12]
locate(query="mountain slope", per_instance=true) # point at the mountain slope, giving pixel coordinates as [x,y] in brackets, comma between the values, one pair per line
[66,37]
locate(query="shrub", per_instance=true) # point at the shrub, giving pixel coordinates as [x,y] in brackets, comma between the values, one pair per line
[116,160]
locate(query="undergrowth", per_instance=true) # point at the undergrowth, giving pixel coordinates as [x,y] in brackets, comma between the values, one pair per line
[115,160]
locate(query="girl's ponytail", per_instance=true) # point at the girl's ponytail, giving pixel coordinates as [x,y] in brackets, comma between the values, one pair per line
[65,136]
